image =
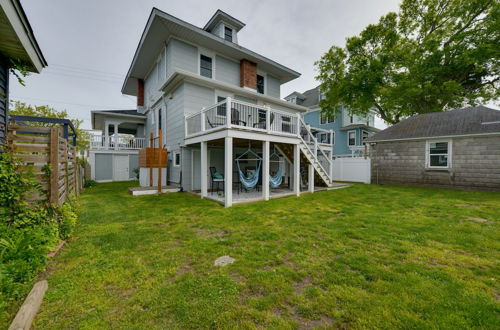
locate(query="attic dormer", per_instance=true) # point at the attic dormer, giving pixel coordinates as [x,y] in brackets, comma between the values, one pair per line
[225,26]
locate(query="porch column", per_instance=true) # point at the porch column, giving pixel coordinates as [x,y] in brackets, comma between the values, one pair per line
[265,170]
[204,169]
[296,169]
[228,171]
[106,135]
[311,177]
[115,133]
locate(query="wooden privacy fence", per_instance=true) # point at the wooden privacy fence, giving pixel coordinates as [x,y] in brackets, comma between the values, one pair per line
[51,158]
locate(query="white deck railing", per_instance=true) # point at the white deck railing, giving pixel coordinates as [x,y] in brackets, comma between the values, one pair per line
[312,144]
[101,142]
[244,116]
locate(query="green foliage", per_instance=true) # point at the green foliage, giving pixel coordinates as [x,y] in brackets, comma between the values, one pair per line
[27,231]
[19,70]
[23,109]
[89,183]
[137,172]
[433,55]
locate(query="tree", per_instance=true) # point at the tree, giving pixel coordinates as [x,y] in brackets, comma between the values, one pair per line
[433,55]
[23,109]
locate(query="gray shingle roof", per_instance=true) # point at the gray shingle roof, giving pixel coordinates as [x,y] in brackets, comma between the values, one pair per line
[312,98]
[466,121]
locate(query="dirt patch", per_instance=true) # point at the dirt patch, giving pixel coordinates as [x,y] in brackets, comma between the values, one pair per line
[478,219]
[299,286]
[468,205]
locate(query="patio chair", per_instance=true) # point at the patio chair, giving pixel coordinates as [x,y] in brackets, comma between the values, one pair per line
[216,178]
[262,122]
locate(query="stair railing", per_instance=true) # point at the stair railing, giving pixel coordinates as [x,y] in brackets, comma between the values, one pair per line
[311,143]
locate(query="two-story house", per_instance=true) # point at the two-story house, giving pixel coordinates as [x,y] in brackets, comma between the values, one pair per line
[218,105]
[349,130]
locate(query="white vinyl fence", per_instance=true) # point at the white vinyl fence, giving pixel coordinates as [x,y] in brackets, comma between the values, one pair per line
[353,169]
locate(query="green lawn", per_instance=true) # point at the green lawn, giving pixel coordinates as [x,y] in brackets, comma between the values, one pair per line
[361,257]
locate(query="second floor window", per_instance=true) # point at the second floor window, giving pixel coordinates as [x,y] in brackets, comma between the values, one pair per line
[206,66]
[260,84]
[325,119]
[228,34]
[221,109]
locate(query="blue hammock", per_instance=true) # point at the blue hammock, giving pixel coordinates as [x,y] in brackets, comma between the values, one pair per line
[276,179]
[249,182]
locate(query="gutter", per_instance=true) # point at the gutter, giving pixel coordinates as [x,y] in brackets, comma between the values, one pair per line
[434,137]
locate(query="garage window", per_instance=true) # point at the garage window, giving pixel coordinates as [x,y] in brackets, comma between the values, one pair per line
[438,154]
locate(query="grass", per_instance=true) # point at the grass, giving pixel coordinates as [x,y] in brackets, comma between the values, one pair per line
[362,257]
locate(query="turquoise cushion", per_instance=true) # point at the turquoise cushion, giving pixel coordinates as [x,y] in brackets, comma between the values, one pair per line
[217,175]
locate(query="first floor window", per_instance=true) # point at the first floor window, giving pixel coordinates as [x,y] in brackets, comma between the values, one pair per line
[260,84]
[364,136]
[351,137]
[438,154]
[221,109]
[177,158]
[206,66]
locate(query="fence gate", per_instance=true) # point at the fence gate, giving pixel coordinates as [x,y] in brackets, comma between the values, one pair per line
[352,169]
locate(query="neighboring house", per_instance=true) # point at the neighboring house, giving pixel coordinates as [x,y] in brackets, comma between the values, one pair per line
[349,131]
[17,45]
[186,79]
[113,154]
[451,149]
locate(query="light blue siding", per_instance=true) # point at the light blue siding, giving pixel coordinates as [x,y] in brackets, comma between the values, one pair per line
[196,97]
[340,146]
[273,86]
[227,71]
[181,55]
[245,99]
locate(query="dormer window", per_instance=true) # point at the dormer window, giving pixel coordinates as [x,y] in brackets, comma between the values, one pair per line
[206,66]
[228,34]
[260,84]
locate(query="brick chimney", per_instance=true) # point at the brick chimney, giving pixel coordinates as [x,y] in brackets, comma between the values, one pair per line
[140,92]
[248,74]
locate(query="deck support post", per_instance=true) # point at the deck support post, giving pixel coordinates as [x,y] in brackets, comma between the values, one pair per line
[204,168]
[265,170]
[228,170]
[311,178]
[296,169]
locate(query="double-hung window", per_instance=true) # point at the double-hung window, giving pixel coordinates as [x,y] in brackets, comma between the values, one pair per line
[206,66]
[260,84]
[351,138]
[326,119]
[177,158]
[438,154]
[228,34]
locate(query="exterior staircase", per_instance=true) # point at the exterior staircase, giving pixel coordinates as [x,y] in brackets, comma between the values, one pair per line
[311,154]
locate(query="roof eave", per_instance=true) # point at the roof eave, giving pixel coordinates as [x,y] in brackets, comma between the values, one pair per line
[286,76]
[24,33]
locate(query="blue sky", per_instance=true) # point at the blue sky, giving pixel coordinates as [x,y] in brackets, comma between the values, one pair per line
[89,44]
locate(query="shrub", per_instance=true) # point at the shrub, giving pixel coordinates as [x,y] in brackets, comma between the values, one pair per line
[89,183]
[28,231]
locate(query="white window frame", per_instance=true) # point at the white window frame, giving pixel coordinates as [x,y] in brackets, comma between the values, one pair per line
[328,119]
[367,135]
[207,53]
[174,158]
[224,94]
[428,154]
[355,139]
